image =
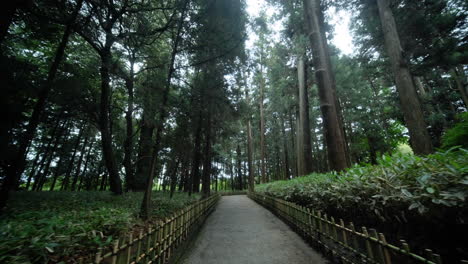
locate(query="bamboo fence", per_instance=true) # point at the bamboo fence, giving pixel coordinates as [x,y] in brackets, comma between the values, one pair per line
[342,242]
[157,243]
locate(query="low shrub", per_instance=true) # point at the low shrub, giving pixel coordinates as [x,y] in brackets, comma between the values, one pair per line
[404,195]
[44,227]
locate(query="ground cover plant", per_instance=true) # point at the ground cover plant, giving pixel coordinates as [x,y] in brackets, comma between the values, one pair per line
[423,199]
[43,227]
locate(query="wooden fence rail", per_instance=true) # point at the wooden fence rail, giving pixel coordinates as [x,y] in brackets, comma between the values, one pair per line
[343,241]
[157,243]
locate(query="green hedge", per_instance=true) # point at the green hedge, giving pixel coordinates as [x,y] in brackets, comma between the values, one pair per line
[423,199]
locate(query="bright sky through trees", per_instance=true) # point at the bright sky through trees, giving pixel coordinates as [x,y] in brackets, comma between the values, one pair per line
[340,20]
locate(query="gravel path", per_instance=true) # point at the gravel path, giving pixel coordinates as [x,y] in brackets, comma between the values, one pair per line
[240,231]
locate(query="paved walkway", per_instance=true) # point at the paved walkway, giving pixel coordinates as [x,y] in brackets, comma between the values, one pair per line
[240,231]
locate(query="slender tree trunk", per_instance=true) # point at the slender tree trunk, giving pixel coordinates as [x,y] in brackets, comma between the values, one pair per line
[44,159]
[239,167]
[325,79]
[17,167]
[460,86]
[306,149]
[197,156]
[285,151]
[35,163]
[143,165]
[145,205]
[293,145]
[80,160]
[206,179]
[128,144]
[62,132]
[66,179]
[82,175]
[411,107]
[104,120]
[173,177]
[262,132]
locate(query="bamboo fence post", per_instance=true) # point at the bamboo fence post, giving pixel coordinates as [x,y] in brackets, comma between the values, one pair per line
[354,238]
[335,233]
[148,244]
[327,227]
[343,232]
[98,257]
[129,248]
[368,244]
[140,238]
[388,259]
[115,250]
[377,246]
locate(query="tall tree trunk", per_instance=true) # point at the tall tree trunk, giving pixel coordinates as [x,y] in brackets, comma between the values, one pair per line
[78,166]
[173,176]
[104,120]
[62,132]
[195,172]
[206,179]
[143,164]
[285,151]
[35,162]
[46,155]
[411,107]
[239,167]
[262,132]
[293,145]
[304,132]
[249,157]
[82,176]
[17,167]
[128,144]
[66,179]
[145,205]
[462,89]
[334,132]
[251,179]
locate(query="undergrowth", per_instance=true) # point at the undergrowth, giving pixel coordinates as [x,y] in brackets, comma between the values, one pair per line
[43,227]
[405,195]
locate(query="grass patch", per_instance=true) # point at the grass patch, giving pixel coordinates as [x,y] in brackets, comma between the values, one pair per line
[42,227]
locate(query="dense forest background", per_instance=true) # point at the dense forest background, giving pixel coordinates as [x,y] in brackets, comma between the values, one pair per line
[134,96]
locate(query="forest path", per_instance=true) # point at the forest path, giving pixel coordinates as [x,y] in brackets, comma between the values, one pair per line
[240,231]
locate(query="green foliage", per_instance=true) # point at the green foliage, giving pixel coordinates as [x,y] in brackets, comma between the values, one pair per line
[457,135]
[397,187]
[49,226]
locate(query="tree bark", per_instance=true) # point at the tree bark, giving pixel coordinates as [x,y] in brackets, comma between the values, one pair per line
[128,144]
[285,151]
[334,132]
[206,179]
[106,138]
[143,164]
[304,132]
[195,171]
[239,167]
[411,107]
[262,132]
